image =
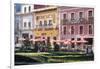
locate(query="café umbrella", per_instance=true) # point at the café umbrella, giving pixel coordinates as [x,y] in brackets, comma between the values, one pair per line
[67,42]
[58,41]
[80,41]
[40,39]
[32,39]
[21,39]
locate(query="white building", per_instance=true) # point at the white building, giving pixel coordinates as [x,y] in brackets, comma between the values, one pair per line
[26,25]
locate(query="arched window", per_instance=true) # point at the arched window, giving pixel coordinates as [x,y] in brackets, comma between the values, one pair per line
[80,14]
[72,29]
[72,16]
[24,24]
[29,8]
[29,24]
[90,29]
[25,9]
[50,22]
[45,23]
[81,29]
[40,23]
[90,13]
[64,16]
[64,30]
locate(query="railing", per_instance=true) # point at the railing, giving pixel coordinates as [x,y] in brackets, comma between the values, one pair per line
[91,19]
[80,20]
[48,27]
[64,21]
[73,21]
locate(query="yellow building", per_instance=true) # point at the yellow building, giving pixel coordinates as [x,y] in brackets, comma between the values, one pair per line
[46,23]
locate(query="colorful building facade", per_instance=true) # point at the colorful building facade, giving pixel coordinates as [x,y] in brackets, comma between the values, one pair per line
[26,25]
[77,23]
[58,23]
[46,23]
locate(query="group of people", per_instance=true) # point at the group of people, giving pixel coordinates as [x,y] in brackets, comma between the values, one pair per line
[45,47]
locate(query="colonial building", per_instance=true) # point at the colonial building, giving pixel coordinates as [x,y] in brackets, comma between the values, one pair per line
[58,23]
[26,25]
[77,23]
[46,23]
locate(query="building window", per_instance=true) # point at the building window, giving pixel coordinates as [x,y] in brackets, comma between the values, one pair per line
[64,16]
[81,29]
[37,17]
[45,23]
[78,39]
[72,29]
[72,38]
[90,29]
[50,22]
[29,8]
[25,35]
[54,38]
[90,13]
[90,17]
[29,24]
[72,16]
[80,14]
[25,9]
[64,30]
[31,36]
[40,23]
[24,24]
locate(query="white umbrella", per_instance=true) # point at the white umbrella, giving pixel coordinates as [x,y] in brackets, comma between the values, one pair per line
[67,42]
[21,39]
[82,41]
[32,39]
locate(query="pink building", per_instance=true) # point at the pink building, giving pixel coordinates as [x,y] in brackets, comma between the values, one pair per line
[77,23]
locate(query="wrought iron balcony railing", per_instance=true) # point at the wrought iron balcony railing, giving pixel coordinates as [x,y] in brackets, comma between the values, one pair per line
[64,21]
[79,20]
[91,19]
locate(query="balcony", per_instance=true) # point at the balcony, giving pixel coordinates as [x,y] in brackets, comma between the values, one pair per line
[81,20]
[64,21]
[91,19]
[45,27]
[72,21]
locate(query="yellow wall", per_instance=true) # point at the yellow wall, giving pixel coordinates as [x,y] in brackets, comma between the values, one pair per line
[49,33]
[45,15]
